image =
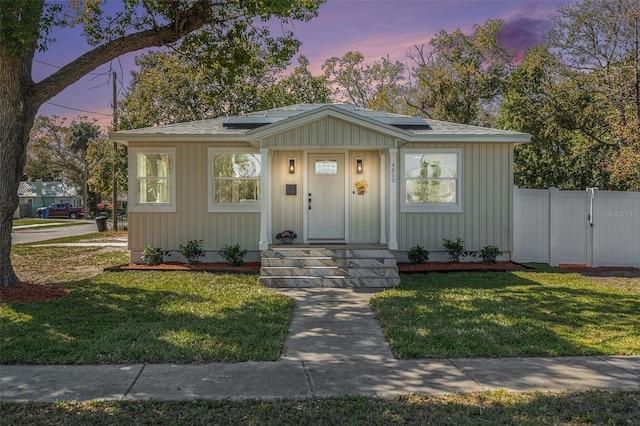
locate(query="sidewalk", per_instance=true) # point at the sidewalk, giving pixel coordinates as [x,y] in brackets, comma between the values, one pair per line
[334,347]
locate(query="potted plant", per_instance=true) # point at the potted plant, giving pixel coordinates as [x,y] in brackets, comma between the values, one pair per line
[287,237]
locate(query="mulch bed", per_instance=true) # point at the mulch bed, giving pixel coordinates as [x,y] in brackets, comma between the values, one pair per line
[246,268]
[406,268]
[28,292]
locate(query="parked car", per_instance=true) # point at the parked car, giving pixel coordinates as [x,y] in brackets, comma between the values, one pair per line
[62,210]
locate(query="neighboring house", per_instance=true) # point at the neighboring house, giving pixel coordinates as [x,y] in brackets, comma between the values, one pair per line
[243,179]
[38,194]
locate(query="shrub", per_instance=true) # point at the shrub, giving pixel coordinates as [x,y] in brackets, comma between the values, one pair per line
[418,254]
[489,254]
[152,255]
[233,254]
[192,251]
[454,249]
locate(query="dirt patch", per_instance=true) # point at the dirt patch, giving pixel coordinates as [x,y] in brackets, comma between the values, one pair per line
[247,267]
[603,271]
[29,292]
[465,266]
[621,278]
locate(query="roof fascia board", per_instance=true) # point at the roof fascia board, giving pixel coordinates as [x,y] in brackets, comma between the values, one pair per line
[327,111]
[164,137]
[462,138]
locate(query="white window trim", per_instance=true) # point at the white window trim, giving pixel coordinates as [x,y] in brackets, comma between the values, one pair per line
[136,206]
[430,207]
[212,206]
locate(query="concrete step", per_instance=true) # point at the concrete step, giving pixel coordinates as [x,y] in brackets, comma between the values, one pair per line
[309,282]
[328,267]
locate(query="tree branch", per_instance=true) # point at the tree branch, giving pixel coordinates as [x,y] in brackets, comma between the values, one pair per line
[195,18]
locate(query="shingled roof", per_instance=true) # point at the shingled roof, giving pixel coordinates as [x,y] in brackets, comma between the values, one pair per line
[49,189]
[246,127]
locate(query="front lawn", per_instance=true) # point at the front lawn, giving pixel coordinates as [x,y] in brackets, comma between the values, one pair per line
[485,408]
[154,317]
[544,312]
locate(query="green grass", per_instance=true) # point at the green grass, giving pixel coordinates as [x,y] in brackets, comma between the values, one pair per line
[61,264]
[538,313]
[486,408]
[161,317]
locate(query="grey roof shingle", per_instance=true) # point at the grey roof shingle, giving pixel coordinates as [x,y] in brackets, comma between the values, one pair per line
[49,189]
[215,126]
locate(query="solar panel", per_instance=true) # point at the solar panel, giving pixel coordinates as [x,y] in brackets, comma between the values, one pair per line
[255,120]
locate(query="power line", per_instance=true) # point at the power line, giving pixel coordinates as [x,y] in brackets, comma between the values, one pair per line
[57,66]
[81,110]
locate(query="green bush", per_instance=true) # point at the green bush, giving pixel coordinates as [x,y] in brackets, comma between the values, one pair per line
[152,255]
[454,249]
[233,254]
[192,251]
[418,254]
[489,254]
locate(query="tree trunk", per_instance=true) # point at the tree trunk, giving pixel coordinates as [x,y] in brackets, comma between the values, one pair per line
[85,178]
[17,114]
[20,97]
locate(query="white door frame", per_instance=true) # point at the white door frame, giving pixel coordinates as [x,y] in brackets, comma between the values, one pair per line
[305,185]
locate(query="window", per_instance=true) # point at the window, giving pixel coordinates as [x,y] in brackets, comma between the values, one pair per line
[152,179]
[326,167]
[234,181]
[431,181]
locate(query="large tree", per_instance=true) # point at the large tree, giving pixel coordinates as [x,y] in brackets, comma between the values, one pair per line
[546,101]
[579,97]
[600,41]
[459,77]
[47,148]
[26,25]
[300,86]
[102,155]
[81,134]
[378,85]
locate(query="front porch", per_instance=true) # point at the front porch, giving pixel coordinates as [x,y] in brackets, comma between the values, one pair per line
[335,265]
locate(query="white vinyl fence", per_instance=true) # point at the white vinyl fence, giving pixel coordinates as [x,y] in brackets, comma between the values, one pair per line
[592,227]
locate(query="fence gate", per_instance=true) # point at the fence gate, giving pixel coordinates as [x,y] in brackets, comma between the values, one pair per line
[592,227]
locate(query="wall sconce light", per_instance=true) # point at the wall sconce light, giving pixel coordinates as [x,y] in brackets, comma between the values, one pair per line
[292,166]
[359,167]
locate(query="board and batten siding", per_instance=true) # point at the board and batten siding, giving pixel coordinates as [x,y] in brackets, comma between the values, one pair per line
[364,210]
[328,133]
[191,221]
[487,200]
[287,210]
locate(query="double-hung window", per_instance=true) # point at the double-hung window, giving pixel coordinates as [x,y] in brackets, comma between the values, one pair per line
[234,181]
[431,180]
[152,179]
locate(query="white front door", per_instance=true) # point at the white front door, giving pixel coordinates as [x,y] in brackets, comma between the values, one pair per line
[325,206]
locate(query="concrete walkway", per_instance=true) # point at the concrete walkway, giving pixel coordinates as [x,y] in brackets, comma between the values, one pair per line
[334,347]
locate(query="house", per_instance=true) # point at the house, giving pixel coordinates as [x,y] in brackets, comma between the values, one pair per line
[36,194]
[243,179]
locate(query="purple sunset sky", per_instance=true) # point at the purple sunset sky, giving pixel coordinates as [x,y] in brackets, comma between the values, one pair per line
[376,28]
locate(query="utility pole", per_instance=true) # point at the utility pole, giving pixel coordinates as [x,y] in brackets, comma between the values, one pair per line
[114,206]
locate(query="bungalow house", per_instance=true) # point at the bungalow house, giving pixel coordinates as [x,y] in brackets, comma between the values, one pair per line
[36,194]
[335,174]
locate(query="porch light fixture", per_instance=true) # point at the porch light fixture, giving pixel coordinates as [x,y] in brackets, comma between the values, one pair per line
[292,166]
[359,166]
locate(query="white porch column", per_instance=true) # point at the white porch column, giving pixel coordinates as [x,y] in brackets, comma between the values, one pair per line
[393,198]
[383,195]
[265,185]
